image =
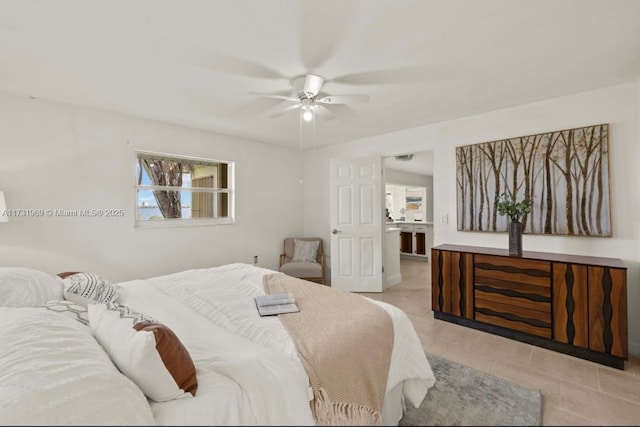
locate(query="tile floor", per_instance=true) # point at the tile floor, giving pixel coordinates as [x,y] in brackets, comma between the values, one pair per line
[575,391]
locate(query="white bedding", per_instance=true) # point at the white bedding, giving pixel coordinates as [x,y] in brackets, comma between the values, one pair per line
[247,366]
[53,372]
[239,382]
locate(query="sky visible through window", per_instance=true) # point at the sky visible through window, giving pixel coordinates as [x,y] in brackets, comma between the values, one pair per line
[146,198]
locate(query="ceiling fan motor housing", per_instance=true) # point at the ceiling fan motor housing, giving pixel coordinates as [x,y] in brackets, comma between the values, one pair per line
[306,90]
[307,86]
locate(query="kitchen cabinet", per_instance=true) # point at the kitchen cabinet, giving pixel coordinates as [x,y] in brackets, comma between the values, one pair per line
[415,239]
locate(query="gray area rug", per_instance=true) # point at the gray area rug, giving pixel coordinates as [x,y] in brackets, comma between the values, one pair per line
[464,396]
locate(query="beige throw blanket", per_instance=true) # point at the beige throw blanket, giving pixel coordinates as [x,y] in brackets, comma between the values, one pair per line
[345,343]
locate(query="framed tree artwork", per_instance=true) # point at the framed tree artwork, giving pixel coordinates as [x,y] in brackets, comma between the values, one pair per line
[564,173]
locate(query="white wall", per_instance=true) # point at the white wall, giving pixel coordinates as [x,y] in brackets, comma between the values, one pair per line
[64,157]
[616,105]
[398,199]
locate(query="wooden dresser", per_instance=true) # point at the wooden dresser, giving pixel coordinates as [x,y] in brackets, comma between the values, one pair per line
[572,304]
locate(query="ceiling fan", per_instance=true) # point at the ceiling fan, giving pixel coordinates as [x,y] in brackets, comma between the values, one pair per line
[307,98]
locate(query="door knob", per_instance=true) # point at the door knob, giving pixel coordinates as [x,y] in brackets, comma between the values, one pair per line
[334,231]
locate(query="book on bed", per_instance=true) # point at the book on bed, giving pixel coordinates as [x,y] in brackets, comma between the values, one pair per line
[270,305]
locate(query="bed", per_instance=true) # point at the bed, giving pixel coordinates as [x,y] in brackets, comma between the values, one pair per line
[57,369]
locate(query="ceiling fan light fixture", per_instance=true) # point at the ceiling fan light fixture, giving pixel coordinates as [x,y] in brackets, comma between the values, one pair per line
[307,109]
[307,115]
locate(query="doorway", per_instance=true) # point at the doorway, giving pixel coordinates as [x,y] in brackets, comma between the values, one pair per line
[414,171]
[408,182]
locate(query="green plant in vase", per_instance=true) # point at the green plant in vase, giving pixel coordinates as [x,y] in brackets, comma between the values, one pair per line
[515,211]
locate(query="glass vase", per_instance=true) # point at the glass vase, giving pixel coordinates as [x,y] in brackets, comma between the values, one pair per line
[515,238]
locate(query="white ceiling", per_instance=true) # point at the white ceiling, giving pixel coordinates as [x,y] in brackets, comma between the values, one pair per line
[421,163]
[200,63]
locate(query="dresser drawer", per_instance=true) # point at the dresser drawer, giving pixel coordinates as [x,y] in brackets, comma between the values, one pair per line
[507,271]
[523,296]
[536,322]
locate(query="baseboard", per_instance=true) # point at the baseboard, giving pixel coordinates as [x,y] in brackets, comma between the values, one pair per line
[424,258]
[393,280]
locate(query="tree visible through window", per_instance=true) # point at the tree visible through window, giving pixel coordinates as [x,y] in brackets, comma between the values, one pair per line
[181,188]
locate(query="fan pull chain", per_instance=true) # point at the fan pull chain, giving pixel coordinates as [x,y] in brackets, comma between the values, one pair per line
[313,137]
[301,160]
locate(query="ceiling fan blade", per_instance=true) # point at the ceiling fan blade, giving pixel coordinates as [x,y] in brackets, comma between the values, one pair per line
[276,96]
[322,28]
[415,74]
[257,106]
[285,110]
[313,84]
[344,99]
[325,113]
[229,64]
[344,112]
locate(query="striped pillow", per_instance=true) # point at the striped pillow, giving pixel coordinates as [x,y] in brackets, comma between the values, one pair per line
[88,288]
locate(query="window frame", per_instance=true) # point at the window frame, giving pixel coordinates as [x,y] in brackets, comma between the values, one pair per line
[184,222]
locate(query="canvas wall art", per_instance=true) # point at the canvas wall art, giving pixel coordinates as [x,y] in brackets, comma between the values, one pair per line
[413,200]
[565,173]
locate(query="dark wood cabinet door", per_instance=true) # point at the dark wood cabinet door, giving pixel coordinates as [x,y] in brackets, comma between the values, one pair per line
[421,247]
[406,242]
[452,283]
[461,265]
[608,310]
[570,306]
[441,281]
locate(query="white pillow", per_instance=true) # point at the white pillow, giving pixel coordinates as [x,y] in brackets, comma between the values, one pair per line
[305,250]
[146,351]
[70,309]
[26,287]
[54,372]
[88,288]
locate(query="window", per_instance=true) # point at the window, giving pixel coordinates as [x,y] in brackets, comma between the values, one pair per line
[174,190]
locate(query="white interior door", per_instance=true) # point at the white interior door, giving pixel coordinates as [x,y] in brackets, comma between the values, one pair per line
[356,224]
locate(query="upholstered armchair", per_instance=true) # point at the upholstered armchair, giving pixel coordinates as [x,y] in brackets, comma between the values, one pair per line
[303,257]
